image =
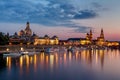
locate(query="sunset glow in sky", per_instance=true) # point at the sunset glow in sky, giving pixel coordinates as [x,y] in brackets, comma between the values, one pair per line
[64,18]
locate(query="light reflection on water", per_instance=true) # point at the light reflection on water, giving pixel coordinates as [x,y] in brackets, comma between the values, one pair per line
[63,65]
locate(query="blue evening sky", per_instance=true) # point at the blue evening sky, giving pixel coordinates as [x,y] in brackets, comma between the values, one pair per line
[64,18]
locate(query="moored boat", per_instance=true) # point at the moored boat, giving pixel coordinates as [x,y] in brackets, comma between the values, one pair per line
[11,54]
[24,52]
[49,50]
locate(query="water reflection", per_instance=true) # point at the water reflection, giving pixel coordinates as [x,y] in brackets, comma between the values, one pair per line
[94,58]
[44,60]
[2,62]
[97,60]
[8,62]
[21,65]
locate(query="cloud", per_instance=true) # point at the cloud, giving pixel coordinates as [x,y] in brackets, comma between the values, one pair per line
[45,12]
[85,14]
[96,5]
[82,29]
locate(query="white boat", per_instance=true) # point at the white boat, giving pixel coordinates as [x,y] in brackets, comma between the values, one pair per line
[62,50]
[31,53]
[49,50]
[56,49]
[24,52]
[11,54]
[73,49]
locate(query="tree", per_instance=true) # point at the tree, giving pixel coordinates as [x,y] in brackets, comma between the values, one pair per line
[4,39]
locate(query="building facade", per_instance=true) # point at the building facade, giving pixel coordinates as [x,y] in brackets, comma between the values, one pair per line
[81,41]
[46,40]
[23,36]
[27,32]
[101,40]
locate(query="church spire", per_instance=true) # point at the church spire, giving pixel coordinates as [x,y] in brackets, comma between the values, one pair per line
[27,26]
[90,35]
[28,31]
[102,34]
[87,36]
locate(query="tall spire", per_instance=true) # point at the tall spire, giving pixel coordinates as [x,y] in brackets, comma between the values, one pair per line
[87,36]
[102,34]
[27,26]
[90,35]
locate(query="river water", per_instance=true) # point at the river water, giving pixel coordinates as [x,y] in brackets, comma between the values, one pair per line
[82,65]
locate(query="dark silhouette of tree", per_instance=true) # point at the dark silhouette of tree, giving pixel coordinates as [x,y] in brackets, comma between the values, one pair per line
[4,39]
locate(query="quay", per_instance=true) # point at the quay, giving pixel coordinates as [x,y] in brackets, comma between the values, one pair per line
[40,48]
[16,48]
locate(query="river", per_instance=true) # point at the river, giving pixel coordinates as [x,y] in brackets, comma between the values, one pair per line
[82,65]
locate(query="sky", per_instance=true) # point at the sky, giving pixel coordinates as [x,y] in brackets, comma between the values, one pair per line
[64,18]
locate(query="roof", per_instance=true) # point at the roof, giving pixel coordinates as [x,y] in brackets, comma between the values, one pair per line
[76,39]
[46,36]
[54,37]
[62,40]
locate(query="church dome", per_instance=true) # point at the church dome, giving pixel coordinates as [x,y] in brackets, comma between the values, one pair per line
[21,33]
[28,31]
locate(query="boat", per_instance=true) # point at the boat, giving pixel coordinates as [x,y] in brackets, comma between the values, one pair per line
[49,50]
[31,53]
[62,50]
[23,52]
[71,49]
[11,54]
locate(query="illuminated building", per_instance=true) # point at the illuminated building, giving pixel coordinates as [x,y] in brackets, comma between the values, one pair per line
[112,43]
[46,40]
[26,32]
[90,35]
[15,41]
[81,41]
[101,39]
[87,36]
[23,36]
[73,41]
[85,42]
[78,41]
[63,42]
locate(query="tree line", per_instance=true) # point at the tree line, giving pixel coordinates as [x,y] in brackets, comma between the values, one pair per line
[4,38]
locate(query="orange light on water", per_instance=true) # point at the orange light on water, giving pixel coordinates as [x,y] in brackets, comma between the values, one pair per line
[21,62]
[35,62]
[8,62]
[51,61]
[65,58]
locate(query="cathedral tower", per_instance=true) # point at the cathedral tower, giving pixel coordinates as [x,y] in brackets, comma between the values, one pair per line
[102,34]
[28,31]
[87,36]
[90,35]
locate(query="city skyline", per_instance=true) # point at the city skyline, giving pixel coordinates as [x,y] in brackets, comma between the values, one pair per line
[65,19]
